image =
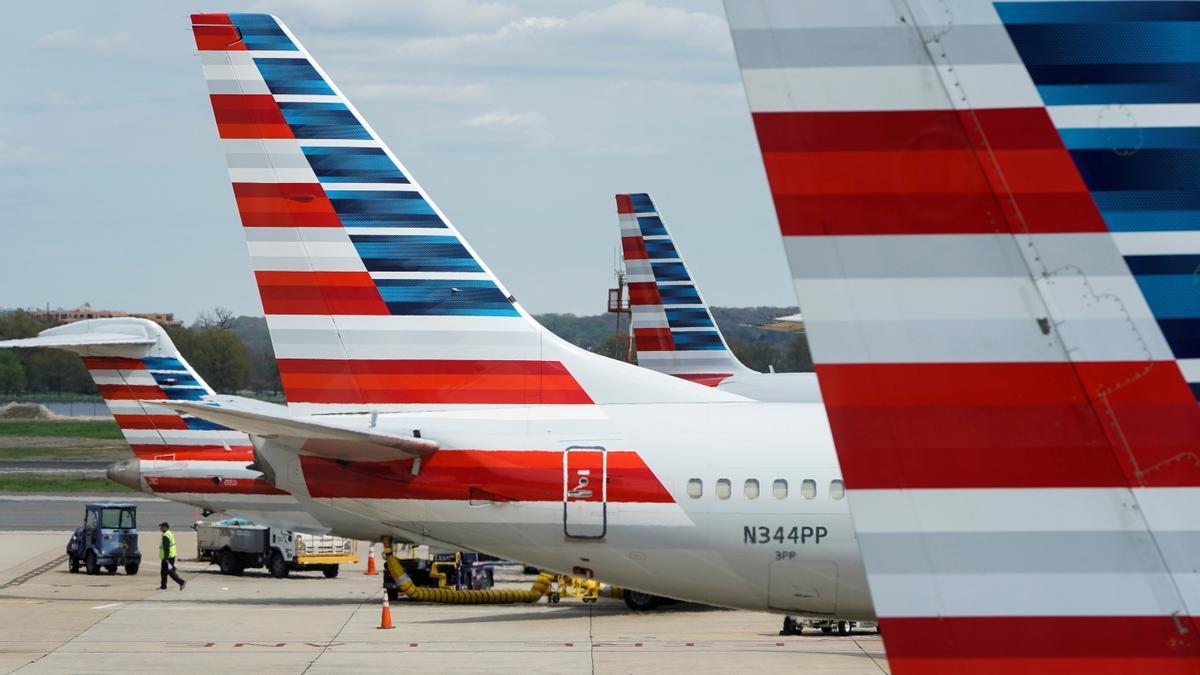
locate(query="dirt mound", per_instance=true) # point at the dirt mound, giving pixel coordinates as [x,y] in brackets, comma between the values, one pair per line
[26,411]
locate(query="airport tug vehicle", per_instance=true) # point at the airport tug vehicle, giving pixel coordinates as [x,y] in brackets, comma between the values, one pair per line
[108,539]
[237,544]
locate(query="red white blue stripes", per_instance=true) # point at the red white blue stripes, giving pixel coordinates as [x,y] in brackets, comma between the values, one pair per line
[1011,420]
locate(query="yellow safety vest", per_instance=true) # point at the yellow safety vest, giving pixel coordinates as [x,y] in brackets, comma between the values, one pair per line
[163,555]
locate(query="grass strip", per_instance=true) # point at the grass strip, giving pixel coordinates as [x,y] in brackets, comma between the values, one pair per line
[38,483]
[99,429]
[78,452]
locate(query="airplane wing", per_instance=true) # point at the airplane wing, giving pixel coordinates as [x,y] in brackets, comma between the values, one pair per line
[961,186]
[311,437]
[81,340]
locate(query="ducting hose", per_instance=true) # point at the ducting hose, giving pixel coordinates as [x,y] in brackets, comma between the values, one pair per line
[456,597]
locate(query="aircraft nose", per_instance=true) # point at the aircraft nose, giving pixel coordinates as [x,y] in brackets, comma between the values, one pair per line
[127,472]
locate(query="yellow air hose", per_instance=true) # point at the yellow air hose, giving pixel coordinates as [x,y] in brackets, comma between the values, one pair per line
[454,596]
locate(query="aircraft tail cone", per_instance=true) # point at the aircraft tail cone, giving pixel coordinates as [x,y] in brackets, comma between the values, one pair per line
[385,621]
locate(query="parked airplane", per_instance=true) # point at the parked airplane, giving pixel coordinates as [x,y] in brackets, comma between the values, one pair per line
[1009,402]
[422,396]
[181,457]
[672,326]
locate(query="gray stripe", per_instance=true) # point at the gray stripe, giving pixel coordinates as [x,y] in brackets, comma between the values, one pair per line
[1028,552]
[952,255]
[869,46]
[237,87]
[294,234]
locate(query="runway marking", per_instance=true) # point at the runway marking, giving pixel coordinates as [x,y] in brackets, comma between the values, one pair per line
[110,605]
[37,571]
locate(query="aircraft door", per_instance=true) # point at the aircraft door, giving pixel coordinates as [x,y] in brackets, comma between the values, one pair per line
[803,586]
[585,492]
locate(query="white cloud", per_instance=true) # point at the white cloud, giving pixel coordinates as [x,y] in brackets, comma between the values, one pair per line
[504,118]
[16,156]
[78,38]
[426,93]
[412,16]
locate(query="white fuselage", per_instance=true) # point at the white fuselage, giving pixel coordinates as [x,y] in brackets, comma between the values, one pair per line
[773,387]
[667,508]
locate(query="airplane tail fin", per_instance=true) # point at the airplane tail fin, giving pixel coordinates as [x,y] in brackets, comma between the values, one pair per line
[373,298]
[956,184]
[673,327]
[132,360]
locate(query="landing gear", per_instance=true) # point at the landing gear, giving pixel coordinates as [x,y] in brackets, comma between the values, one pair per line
[641,602]
[791,626]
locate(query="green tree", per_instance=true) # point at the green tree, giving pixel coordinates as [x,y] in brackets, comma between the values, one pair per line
[12,375]
[797,358]
[758,355]
[219,358]
[614,347]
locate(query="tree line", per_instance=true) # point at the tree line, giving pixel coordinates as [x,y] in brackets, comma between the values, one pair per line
[234,354]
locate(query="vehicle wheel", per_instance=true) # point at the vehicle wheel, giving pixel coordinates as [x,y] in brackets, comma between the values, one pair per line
[277,565]
[230,563]
[90,563]
[131,569]
[330,572]
[641,602]
[791,626]
[393,594]
[111,569]
[553,598]
[530,570]
[73,564]
[827,629]
[843,628]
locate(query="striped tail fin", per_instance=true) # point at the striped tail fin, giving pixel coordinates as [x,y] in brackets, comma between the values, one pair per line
[673,327]
[1010,412]
[373,299]
[133,360]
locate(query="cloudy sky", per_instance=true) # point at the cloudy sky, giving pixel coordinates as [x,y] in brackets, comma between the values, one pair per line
[521,120]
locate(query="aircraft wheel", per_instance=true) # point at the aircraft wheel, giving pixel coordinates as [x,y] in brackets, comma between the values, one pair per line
[641,602]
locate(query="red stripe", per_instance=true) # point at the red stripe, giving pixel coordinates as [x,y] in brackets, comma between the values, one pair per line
[429,381]
[194,453]
[284,205]
[112,363]
[211,19]
[634,248]
[933,213]
[161,484]
[512,475]
[150,421]
[320,293]
[644,293]
[624,204]
[654,339]
[706,379]
[1012,425]
[249,116]
[1041,644]
[218,38]
[126,392]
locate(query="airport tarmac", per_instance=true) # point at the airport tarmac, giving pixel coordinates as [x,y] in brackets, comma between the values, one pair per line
[60,622]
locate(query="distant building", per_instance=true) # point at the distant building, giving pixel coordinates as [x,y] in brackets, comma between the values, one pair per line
[60,316]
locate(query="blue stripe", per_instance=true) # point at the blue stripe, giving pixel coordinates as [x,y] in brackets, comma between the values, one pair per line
[660,248]
[162,363]
[641,203]
[322,120]
[444,297]
[260,31]
[678,295]
[174,379]
[1176,92]
[383,208]
[1095,12]
[1171,296]
[1183,336]
[292,76]
[353,165]
[197,424]
[1133,139]
[392,253]
[176,394]
[674,271]
[1152,221]
[1076,42]
[702,340]
[1144,170]
[651,226]
[1188,264]
[689,317]
[1195,390]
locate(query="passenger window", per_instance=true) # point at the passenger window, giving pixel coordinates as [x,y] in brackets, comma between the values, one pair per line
[808,488]
[837,489]
[751,489]
[779,489]
[695,488]
[724,488]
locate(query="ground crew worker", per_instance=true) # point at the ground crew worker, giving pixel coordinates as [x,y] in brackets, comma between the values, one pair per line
[166,553]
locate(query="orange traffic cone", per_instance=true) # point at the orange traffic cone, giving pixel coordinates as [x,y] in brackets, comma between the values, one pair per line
[371,571]
[385,622]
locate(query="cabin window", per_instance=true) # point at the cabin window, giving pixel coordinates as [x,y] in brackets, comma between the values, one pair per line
[695,488]
[837,489]
[808,488]
[751,489]
[724,488]
[779,488]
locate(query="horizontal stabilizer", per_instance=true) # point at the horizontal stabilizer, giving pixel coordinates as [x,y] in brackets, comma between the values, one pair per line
[314,438]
